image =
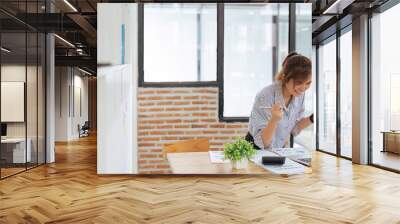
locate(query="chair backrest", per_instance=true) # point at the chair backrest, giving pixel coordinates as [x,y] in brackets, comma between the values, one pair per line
[86,124]
[192,145]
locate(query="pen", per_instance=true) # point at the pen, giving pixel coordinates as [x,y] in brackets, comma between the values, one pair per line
[265,107]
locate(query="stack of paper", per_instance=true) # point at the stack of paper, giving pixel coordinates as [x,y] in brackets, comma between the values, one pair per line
[217,157]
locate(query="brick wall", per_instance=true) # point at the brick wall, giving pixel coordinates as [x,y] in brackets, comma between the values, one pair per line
[172,114]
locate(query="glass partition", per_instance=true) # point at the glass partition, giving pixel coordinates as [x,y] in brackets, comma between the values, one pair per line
[15,150]
[385,89]
[327,96]
[346,94]
[22,88]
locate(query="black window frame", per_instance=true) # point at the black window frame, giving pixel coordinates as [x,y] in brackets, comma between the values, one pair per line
[25,30]
[220,56]
[378,10]
[333,33]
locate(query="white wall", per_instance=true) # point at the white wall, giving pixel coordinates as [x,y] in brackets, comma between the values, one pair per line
[67,115]
[117,137]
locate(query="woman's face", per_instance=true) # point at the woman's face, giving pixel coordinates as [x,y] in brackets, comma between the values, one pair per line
[297,88]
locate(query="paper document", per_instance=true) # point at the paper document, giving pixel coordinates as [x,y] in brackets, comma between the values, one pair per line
[300,155]
[217,157]
[289,167]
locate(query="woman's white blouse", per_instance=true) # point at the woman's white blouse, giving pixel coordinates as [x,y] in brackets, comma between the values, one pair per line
[260,117]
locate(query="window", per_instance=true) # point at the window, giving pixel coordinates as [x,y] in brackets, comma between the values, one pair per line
[327,96]
[180,42]
[255,41]
[304,29]
[385,87]
[346,94]
[306,138]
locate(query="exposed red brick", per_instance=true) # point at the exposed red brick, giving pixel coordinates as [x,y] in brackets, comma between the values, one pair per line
[174,109]
[209,108]
[164,127]
[173,121]
[182,103]
[227,131]
[191,121]
[200,114]
[199,126]
[151,122]
[163,166]
[217,126]
[191,108]
[163,91]
[156,109]
[166,122]
[146,166]
[191,97]
[182,126]
[209,120]
[181,91]
[221,137]
[145,144]
[157,133]
[164,103]
[154,98]
[156,161]
[233,126]
[200,102]
[205,90]
[209,97]
[169,138]
[210,132]
[146,104]
[175,133]
[143,155]
[173,97]
[147,92]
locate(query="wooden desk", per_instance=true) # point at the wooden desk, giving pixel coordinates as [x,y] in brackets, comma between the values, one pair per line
[199,163]
[14,148]
[391,141]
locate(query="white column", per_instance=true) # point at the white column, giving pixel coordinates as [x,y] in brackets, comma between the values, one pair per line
[360,90]
[117,88]
[50,99]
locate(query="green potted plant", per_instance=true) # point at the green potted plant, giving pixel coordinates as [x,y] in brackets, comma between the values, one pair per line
[239,152]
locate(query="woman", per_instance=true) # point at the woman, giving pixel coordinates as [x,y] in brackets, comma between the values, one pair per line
[278,108]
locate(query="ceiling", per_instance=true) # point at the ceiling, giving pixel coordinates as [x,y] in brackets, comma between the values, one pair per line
[76,22]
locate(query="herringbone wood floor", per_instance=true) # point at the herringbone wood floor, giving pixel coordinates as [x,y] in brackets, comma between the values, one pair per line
[69,191]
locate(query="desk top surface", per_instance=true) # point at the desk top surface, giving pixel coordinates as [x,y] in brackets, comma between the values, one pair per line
[13,140]
[199,163]
[391,132]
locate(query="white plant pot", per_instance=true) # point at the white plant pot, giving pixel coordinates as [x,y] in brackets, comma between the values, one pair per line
[241,164]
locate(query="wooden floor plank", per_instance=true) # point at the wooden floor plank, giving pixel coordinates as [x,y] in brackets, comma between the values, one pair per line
[70,191]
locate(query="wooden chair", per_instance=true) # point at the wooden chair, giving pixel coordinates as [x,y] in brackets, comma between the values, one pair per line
[192,145]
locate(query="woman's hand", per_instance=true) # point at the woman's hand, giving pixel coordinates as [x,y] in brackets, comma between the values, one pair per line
[276,112]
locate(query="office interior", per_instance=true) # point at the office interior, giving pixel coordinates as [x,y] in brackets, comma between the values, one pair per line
[50,66]
[75,97]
